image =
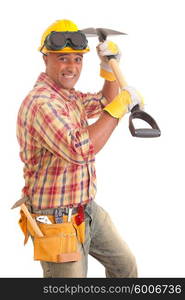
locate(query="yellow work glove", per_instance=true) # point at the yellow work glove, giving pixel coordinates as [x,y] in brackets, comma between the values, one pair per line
[105,49]
[124,102]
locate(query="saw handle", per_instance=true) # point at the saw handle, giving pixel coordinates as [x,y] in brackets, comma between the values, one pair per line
[136,112]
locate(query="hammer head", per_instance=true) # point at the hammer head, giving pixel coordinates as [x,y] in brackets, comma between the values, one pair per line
[102,33]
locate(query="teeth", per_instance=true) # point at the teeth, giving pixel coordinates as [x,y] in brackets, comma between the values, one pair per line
[68,76]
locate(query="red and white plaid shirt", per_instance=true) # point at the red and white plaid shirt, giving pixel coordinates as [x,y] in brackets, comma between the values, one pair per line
[58,156]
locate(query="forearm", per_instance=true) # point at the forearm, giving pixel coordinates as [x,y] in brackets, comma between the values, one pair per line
[110,90]
[101,130]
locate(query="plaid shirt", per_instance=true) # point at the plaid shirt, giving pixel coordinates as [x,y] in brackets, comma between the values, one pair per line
[58,156]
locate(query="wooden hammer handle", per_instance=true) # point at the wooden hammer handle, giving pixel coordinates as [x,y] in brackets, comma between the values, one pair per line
[117,72]
[32,221]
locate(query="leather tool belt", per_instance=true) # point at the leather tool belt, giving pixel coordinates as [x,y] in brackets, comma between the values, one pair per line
[60,240]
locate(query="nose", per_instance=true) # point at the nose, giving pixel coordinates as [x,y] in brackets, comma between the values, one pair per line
[71,65]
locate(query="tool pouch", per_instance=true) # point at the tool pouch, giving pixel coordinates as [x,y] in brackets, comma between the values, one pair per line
[59,243]
[23,226]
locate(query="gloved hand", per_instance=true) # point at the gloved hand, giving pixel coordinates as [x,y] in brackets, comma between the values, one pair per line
[105,49]
[135,98]
[124,102]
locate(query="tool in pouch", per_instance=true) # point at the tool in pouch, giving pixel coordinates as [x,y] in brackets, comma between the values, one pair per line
[55,237]
[58,216]
[136,112]
[43,219]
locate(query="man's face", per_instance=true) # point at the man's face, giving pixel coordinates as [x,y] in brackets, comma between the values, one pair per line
[64,68]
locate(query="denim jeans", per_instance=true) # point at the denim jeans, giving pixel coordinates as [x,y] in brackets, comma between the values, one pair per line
[104,243]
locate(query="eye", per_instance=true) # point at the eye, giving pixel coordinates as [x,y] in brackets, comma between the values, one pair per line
[62,58]
[78,59]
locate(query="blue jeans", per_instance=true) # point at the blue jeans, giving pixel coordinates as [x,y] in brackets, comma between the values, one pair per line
[103,243]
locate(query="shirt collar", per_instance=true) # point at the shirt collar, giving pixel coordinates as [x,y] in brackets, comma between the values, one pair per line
[45,79]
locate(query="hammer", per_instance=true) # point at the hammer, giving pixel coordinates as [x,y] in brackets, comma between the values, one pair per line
[136,112]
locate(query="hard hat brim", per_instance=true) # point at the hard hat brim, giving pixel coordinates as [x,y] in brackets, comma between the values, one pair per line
[66,50]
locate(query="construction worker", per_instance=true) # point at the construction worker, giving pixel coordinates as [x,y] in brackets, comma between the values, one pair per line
[58,149]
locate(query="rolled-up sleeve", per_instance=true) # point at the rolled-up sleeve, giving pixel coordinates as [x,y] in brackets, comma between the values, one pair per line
[54,129]
[94,104]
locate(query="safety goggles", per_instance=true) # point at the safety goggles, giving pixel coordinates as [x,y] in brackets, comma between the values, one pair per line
[57,40]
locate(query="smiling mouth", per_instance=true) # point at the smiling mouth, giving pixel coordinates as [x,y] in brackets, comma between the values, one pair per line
[68,76]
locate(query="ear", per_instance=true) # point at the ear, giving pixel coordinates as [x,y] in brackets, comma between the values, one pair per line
[45,58]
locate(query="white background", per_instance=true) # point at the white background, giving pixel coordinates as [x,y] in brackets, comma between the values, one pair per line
[140,181]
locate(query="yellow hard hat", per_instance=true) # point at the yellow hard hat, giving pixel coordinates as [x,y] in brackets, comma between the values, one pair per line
[60,26]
